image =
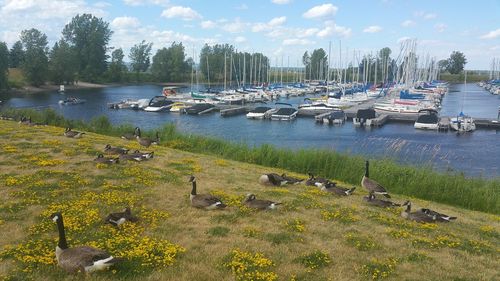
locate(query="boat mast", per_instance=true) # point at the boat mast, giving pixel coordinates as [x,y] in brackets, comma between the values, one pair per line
[224,71]
[208,73]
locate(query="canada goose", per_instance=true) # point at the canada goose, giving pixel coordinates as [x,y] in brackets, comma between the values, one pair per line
[291,180]
[106,160]
[73,134]
[25,121]
[118,218]
[331,187]
[143,155]
[371,185]
[251,202]
[440,217]
[131,136]
[371,199]
[417,216]
[204,201]
[131,157]
[316,181]
[147,141]
[272,179]
[115,150]
[82,258]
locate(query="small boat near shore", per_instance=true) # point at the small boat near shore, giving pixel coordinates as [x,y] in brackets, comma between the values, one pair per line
[364,117]
[129,104]
[336,117]
[158,103]
[72,101]
[427,119]
[285,113]
[261,112]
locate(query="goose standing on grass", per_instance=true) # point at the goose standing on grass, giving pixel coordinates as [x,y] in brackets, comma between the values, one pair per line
[115,150]
[73,134]
[371,185]
[417,216]
[26,121]
[119,218]
[272,179]
[251,202]
[316,181]
[371,199]
[147,142]
[204,201]
[82,258]
[331,187]
[106,160]
[131,136]
[291,180]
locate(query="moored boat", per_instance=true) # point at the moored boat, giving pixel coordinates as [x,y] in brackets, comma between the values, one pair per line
[285,113]
[261,112]
[158,103]
[364,117]
[427,119]
[72,101]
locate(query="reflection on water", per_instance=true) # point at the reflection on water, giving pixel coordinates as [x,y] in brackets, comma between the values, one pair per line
[477,153]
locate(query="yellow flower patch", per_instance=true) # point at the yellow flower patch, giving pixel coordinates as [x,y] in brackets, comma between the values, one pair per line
[295,225]
[247,266]
[9,149]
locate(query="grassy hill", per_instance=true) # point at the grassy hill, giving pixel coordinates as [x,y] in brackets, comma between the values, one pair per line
[313,236]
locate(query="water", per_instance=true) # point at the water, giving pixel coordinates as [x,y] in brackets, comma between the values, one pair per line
[474,154]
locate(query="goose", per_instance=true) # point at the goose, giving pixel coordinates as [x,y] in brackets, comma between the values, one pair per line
[251,202]
[147,141]
[331,187]
[272,179]
[119,218]
[371,199]
[417,216]
[115,150]
[316,181]
[131,157]
[291,180]
[143,155]
[106,160]
[73,134]
[371,185]
[131,136]
[82,258]
[204,201]
[440,217]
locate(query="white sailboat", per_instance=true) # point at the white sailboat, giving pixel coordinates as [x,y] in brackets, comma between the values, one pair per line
[463,122]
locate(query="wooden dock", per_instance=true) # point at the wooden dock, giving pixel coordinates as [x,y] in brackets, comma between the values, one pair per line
[487,123]
[234,111]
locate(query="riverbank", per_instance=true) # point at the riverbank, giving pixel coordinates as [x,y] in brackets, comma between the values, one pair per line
[43,172]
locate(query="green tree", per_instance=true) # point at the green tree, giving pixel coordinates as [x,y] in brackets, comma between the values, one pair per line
[139,57]
[442,65]
[16,56]
[319,61]
[62,63]
[306,61]
[35,65]
[4,66]
[169,64]
[89,36]
[456,62]
[117,67]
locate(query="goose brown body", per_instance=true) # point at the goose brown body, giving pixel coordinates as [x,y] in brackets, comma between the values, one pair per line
[371,185]
[115,150]
[272,179]
[341,191]
[204,201]
[73,134]
[251,202]
[372,200]
[119,218]
[417,216]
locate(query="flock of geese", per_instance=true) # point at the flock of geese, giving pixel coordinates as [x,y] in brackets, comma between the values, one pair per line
[89,259]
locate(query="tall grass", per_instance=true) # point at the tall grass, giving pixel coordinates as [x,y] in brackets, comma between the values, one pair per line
[450,188]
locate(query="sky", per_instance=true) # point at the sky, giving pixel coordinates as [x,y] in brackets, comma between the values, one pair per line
[281,29]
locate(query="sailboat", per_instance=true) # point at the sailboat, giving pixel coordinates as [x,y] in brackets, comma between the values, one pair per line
[463,122]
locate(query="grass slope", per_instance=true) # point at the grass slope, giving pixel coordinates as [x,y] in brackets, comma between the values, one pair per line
[313,236]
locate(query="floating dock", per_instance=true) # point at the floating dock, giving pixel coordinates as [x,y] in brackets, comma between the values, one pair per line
[234,111]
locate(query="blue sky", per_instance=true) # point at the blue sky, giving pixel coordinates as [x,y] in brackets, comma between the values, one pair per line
[278,28]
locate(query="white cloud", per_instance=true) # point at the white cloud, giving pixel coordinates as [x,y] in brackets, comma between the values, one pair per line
[440,27]
[235,26]
[125,22]
[208,24]
[277,21]
[372,29]
[408,23]
[296,41]
[240,39]
[102,4]
[491,35]
[144,2]
[269,26]
[430,16]
[321,11]
[332,28]
[424,15]
[281,2]
[185,13]
[306,32]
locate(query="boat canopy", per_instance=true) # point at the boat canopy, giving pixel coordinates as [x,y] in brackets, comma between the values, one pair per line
[368,113]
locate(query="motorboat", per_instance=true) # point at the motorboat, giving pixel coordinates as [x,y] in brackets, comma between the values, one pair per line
[462,123]
[72,101]
[177,107]
[336,117]
[199,108]
[159,103]
[364,117]
[129,104]
[285,113]
[427,119]
[261,112]
[315,107]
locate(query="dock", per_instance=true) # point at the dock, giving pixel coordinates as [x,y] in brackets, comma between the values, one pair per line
[487,123]
[233,111]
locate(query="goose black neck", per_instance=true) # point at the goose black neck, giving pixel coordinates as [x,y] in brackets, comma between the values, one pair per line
[62,236]
[193,191]
[367,170]
[408,207]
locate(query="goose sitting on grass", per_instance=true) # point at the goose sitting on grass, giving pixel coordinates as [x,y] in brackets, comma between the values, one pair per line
[131,157]
[26,121]
[371,185]
[119,218]
[331,187]
[131,136]
[143,155]
[204,201]
[291,180]
[439,216]
[316,181]
[106,160]
[147,142]
[272,179]
[417,216]
[372,200]
[251,202]
[79,259]
[73,134]
[115,150]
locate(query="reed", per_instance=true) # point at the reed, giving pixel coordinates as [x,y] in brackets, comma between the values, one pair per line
[451,188]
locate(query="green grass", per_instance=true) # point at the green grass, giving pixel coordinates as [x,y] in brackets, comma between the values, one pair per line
[451,188]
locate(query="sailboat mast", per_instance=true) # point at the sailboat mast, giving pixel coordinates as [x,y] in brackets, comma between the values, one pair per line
[224,71]
[208,73]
